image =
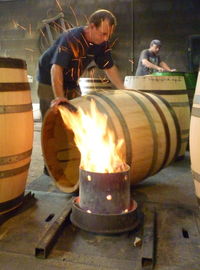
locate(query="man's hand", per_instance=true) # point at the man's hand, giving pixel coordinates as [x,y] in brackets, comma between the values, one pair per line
[115,77]
[58,100]
[160,69]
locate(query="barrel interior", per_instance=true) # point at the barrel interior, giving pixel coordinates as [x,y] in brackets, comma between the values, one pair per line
[61,155]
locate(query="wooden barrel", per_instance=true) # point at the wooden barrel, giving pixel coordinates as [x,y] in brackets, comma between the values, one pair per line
[146,122]
[195,139]
[16,136]
[172,89]
[190,81]
[88,85]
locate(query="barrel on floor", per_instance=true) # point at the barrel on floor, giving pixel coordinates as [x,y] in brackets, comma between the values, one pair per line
[147,124]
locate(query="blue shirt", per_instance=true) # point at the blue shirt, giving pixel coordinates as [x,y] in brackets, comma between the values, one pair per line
[74,53]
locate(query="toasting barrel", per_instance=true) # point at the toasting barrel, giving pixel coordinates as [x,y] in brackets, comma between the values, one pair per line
[146,122]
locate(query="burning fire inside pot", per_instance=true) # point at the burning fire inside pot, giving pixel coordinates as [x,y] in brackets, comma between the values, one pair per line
[104,204]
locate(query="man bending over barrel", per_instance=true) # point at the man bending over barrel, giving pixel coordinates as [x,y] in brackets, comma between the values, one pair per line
[63,63]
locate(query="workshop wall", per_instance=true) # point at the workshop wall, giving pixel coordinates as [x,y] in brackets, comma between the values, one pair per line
[21,25]
[171,21]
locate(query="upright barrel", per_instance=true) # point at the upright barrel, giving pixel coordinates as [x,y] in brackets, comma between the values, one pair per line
[146,122]
[173,90]
[195,139]
[89,84]
[16,135]
[190,81]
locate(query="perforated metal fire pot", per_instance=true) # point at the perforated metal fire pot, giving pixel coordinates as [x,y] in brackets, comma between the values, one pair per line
[104,204]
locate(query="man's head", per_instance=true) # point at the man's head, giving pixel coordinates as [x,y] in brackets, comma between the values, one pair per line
[101,26]
[155,46]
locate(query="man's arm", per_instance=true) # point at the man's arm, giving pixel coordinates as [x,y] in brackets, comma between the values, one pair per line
[165,66]
[57,84]
[148,64]
[115,77]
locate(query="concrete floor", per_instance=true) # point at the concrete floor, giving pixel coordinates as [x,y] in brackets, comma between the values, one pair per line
[171,192]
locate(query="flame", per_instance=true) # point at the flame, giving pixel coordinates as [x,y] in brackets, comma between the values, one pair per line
[96,142]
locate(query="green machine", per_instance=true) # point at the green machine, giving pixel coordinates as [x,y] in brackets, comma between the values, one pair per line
[167,73]
[190,81]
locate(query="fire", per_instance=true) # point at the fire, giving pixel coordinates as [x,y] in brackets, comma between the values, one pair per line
[96,142]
